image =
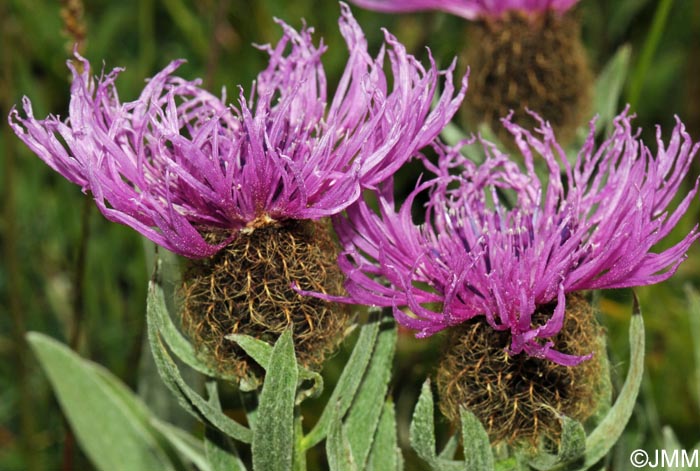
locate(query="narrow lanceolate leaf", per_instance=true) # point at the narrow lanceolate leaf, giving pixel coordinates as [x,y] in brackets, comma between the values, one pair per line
[348,382]
[608,87]
[273,431]
[158,312]
[606,434]
[694,313]
[385,452]
[261,352]
[422,432]
[366,409]
[221,453]
[111,432]
[450,448]
[571,447]
[191,448]
[187,397]
[257,349]
[338,450]
[477,448]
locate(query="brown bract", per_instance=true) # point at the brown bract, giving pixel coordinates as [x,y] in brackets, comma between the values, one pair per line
[246,288]
[518,398]
[528,61]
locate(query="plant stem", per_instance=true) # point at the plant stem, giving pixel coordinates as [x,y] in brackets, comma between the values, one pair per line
[79,275]
[651,43]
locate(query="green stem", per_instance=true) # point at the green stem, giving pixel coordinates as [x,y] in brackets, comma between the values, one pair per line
[299,458]
[79,275]
[651,43]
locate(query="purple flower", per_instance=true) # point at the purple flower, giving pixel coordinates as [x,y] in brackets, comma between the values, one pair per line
[178,162]
[469,9]
[499,242]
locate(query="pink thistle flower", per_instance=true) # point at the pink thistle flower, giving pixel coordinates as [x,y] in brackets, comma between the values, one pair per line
[469,9]
[179,162]
[592,226]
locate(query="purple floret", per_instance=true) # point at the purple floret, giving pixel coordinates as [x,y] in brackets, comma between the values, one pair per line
[499,242]
[178,162]
[469,9]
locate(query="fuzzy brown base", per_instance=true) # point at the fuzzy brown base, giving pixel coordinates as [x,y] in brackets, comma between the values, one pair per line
[246,289]
[516,397]
[533,62]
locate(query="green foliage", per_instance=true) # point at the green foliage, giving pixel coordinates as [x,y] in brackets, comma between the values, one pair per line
[385,453]
[113,427]
[338,449]
[273,432]
[113,433]
[368,405]
[477,449]
[643,51]
[169,372]
[348,383]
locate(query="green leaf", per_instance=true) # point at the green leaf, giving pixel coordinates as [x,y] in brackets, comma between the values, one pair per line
[273,431]
[338,449]
[422,433]
[606,434]
[257,349]
[187,445]
[110,431]
[363,416]
[448,452]
[606,97]
[159,315]
[477,448]
[694,315]
[261,352]
[348,382]
[511,464]
[187,397]
[646,57]
[221,453]
[151,389]
[571,447]
[385,452]
[608,89]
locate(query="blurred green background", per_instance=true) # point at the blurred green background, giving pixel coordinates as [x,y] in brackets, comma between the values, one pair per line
[69,273]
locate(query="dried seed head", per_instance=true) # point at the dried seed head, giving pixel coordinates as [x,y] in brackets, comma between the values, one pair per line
[246,288]
[521,61]
[518,398]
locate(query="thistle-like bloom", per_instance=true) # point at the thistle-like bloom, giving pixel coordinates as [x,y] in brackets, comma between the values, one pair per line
[178,162]
[469,9]
[499,242]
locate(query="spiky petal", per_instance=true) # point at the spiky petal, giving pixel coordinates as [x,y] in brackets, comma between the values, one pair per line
[479,255]
[469,9]
[178,162]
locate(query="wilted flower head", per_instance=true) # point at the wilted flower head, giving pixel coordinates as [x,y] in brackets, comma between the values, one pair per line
[179,162]
[591,226]
[469,9]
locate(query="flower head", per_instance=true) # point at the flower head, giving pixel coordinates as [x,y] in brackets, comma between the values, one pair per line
[178,162]
[469,9]
[499,242]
